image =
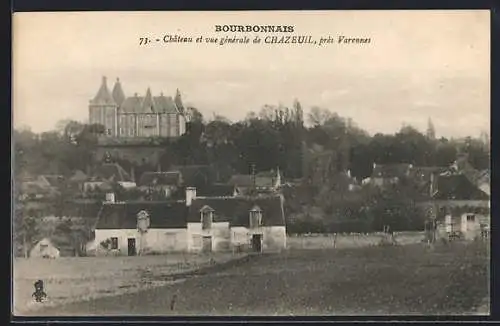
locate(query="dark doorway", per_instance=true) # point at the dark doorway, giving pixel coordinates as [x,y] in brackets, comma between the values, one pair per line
[207,244]
[131,247]
[257,242]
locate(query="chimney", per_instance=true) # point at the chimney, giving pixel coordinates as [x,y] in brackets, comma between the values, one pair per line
[374,165]
[110,197]
[132,174]
[190,195]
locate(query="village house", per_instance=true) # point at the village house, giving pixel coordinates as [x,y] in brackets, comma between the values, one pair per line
[199,176]
[52,247]
[264,182]
[194,224]
[107,173]
[459,207]
[388,174]
[44,248]
[166,182]
[77,180]
[44,186]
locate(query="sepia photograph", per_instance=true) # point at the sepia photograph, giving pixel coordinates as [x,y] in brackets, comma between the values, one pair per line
[251,163]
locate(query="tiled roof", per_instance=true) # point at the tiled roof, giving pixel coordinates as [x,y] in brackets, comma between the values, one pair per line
[216,190]
[246,180]
[117,93]
[241,180]
[390,170]
[124,215]
[162,104]
[195,175]
[53,180]
[236,210]
[111,172]
[423,173]
[103,96]
[160,178]
[458,187]
[78,176]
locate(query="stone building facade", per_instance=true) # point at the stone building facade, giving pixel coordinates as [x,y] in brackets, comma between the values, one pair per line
[137,116]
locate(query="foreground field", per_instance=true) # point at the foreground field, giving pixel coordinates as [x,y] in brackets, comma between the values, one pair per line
[74,279]
[411,279]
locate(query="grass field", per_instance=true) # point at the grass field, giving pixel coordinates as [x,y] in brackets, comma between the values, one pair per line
[352,240]
[72,279]
[402,280]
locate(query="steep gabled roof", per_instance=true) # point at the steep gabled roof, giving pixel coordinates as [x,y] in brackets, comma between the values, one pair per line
[148,104]
[54,180]
[78,176]
[236,210]
[457,187]
[103,96]
[163,215]
[118,94]
[111,172]
[172,178]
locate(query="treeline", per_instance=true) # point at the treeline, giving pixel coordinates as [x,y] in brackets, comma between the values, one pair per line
[275,137]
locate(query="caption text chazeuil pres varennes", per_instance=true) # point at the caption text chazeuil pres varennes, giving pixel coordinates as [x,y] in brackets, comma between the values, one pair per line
[253,35]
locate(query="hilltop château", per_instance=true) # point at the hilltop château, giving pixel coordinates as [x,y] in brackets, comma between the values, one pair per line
[137,116]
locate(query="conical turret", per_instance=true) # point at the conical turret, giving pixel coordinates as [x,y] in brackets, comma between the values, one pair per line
[118,94]
[103,96]
[148,102]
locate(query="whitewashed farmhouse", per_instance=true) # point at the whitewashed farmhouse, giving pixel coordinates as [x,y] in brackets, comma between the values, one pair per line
[196,224]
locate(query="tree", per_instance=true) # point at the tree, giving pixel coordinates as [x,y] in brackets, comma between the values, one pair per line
[431,132]
[319,116]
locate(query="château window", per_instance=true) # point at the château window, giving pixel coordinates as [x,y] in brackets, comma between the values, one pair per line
[471,218]
[255,217]
[206,217]
[114,243]
[108,131]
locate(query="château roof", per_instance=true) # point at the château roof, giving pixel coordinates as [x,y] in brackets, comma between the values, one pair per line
[118,94]
[161,104]
[103,96]
[148,103]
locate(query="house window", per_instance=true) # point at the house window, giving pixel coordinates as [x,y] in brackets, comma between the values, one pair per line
[255,217]
[43,247]
[471,218]
[108,132]
[114,243]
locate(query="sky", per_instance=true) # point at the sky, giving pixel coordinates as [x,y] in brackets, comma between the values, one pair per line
[418,65]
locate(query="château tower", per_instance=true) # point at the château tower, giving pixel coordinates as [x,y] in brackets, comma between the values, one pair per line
[137,116]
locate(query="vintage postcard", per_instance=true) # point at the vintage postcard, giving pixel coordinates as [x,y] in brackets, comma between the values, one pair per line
[265,163]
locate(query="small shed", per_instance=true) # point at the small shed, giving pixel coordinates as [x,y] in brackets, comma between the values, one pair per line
[44,249]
